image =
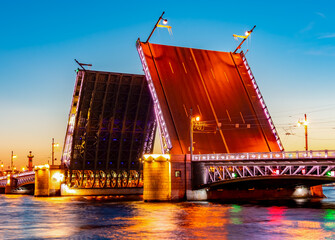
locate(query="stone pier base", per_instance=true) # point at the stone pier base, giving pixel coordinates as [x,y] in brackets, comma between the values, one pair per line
[48,180]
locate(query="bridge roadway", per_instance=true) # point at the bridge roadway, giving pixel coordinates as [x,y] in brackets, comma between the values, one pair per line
[21,183]
[264,170]
[219,87]
[245,171]
[23,179]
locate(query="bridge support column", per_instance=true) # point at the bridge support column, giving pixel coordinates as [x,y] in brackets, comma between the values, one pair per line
[169,178]
[11,184]
[42,176]
[48,180]
[157,178]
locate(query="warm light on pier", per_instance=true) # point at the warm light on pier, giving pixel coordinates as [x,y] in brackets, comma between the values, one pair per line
[59,177]
[39,167]
[156,156]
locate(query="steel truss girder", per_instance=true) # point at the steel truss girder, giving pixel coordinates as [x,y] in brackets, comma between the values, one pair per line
[3,182]
[22,179]
[25,180]
[104,179]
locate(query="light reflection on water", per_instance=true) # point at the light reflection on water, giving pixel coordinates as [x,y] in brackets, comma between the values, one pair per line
[26,217]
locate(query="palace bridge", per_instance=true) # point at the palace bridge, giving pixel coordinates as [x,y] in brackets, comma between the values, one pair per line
[243,171]
[194,127]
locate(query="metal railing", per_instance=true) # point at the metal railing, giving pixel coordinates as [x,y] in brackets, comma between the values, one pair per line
[22,178]
[320,154]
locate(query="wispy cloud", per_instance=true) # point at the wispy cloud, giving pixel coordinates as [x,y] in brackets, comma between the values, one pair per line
[330,35]
[320,14]
[307,28]
[324,51]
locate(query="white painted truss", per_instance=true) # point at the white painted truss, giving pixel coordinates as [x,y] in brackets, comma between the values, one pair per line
[246,169]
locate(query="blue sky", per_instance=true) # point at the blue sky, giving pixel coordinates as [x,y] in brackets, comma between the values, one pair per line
[291,53]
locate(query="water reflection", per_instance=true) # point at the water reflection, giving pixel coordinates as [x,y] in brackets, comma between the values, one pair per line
[235,214]
[27,217]
[276,214]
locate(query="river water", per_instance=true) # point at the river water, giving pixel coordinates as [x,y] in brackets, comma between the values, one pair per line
[27,217]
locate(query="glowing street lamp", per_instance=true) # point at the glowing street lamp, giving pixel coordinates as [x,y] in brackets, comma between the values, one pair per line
[247,34]
[53,145]
[192,120]
[11,162]
[2,172]
[191,134]
[305,124]
[165,21]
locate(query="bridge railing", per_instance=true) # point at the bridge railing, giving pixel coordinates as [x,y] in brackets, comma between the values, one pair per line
[231,166]
[24,174]
[21,177]
[320,154]
[219,173]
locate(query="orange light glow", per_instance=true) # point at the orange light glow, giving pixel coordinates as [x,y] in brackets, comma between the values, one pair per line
[197,118]
[59,177]
[155,156]
[303,123]
[45,166]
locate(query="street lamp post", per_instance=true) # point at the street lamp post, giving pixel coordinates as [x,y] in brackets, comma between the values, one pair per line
[159,19]
[192,120]
[305,124]
[53,145]
[11,162]
[191,134]
[306,133]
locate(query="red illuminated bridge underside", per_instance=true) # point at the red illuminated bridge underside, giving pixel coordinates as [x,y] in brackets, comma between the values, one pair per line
[219,88]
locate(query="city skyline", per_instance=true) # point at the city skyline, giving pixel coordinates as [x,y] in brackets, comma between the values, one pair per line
[290,53]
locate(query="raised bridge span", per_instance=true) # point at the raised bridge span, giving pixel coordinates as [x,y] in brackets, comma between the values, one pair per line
[235,124]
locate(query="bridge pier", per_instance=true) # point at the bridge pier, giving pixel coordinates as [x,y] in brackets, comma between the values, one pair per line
[48,180]
[11,184]
[176,178]
[169,178]
[157,178]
